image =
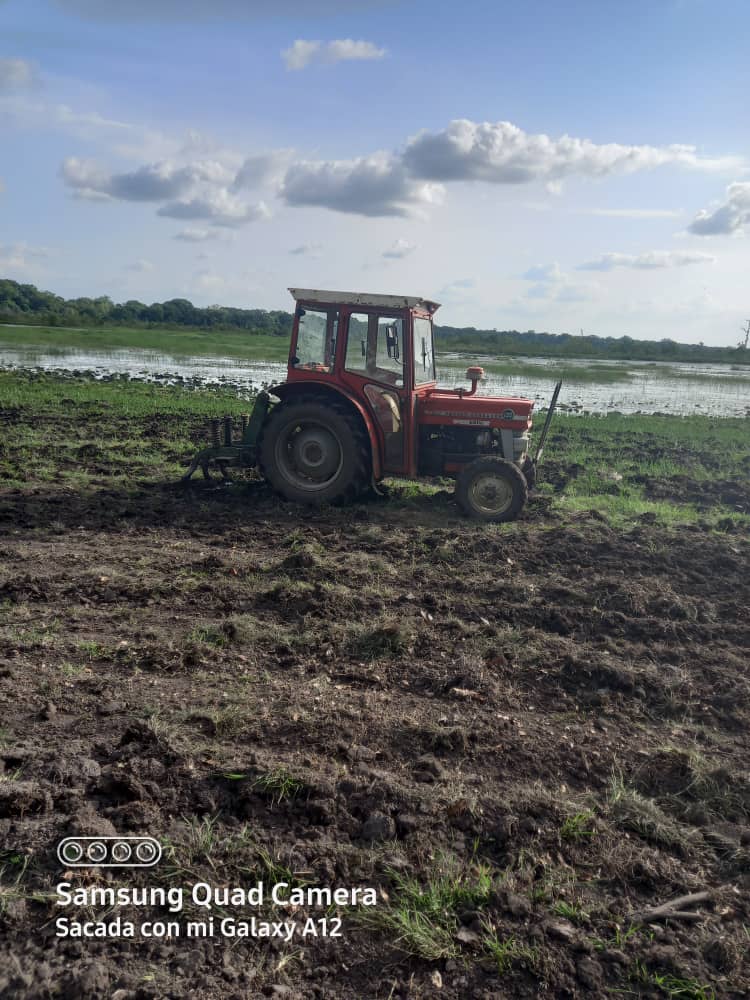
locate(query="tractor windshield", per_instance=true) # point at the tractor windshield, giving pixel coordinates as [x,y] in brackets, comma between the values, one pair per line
[316,339]
[424,361]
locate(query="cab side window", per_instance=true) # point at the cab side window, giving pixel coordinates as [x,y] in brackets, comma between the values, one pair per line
[389,361]
[356,345]
[316,339]
[375,347]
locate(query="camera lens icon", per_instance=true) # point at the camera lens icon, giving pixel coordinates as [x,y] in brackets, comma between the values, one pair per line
[108,852]
[121,852]
[146,851]
[96,852]
[70,852]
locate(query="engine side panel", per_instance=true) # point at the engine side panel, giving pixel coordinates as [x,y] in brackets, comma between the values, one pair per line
[499,412]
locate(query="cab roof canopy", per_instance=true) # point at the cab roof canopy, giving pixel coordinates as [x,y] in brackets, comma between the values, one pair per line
[364,299]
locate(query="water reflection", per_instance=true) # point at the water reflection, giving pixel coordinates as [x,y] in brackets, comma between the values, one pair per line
[715,390]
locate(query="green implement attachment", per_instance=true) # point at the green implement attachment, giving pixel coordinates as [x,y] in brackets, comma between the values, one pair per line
[226,453]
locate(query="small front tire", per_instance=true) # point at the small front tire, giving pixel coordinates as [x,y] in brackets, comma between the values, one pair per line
[492,490]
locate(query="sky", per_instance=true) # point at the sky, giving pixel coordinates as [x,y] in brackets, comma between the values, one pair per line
[560,165]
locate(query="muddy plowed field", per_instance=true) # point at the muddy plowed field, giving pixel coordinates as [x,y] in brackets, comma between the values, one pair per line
[525,739]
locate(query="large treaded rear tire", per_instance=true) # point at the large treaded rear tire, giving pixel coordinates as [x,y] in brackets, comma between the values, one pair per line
[491,489]
[315,451]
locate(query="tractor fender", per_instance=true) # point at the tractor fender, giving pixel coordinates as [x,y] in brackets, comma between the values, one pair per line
[288,390]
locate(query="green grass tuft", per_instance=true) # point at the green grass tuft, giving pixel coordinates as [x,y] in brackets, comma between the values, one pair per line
[279,785]
[422,918]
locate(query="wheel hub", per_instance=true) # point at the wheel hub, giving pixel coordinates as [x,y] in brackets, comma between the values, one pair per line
[310,456]
[491,494]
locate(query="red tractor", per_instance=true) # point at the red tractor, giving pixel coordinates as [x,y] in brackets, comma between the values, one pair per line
[361,402]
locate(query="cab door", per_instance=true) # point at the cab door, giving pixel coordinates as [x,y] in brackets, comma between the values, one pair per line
[374,368]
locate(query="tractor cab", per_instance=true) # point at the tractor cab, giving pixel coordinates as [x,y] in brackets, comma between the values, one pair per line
[375,350]
[361,402]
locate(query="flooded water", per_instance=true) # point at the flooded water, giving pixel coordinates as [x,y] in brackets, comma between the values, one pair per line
[625,387]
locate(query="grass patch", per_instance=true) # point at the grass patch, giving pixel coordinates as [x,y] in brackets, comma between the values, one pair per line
[279,785]
[450,371]
[76,431]
[121,398]
[208,635]
[387,640]
[685,779]
[273,870]
[578,826]
[508,952]
[422,917]
[671,986]
[621,465]
[635,812]
[172,343]
[230,721]
[569,911]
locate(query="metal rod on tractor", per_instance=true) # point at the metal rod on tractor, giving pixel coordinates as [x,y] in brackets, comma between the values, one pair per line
[547,423]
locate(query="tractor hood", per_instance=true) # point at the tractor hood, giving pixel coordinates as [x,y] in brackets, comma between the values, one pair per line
[511,412]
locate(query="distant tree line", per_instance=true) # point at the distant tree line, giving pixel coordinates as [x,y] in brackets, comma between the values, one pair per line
[567,345]
[26,304]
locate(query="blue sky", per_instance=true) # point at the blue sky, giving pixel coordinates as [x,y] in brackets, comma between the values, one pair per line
[558,166]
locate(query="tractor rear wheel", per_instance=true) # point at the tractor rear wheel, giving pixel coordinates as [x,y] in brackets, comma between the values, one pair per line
[315,452]
[491,489]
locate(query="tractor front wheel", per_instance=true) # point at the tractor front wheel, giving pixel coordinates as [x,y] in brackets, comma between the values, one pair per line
[314,452]
[491,489]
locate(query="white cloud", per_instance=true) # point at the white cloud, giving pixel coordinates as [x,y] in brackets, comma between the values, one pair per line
[401,248]
[86,178]
[300,54]
[502,153]
[304,52]
[15,74]
[373,185]
[652,260]
[191,191]
[343,49]
[218,206]
[141,266]
[396,184]
[193,186]
[262,169]
[728,218]
[153,182]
